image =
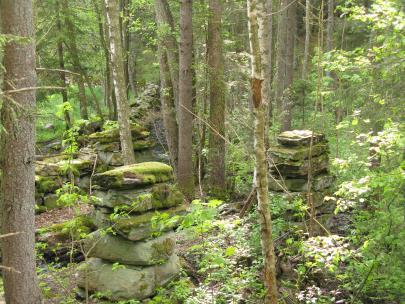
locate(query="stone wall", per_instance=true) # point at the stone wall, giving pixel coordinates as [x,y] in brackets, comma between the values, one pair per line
[128,199]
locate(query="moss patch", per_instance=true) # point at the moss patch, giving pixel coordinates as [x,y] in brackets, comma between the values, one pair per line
[110,135]
[134,176]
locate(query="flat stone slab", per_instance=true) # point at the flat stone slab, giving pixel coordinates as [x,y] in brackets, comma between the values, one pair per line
[137,227]
[124,282]
[290,168]
[134,176]
[299,138]
[280,153]
[113,135]
[156,197]
[319,182]
[115,248]
[115,146]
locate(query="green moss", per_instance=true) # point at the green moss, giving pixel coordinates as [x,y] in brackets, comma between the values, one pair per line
[140,145]
[44,184]
[110,135]
[163,250]
[296,153]
[133,176]
[76,228]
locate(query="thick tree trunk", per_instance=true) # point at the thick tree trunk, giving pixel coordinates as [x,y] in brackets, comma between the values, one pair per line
[61,60]
[74,53]
[185,160]
[117,64]
[257,14]
[216,151]
[164,20]
[18,155]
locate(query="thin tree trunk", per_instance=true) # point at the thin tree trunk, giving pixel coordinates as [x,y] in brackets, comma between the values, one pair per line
[168,109]
[131,63]
[185,160]
[18,155]
[165,21]
[74,53]
[61,60]
[330,26]
[112,12]
[257,36]
[269,65]
[216,151]
[307,38]
[108,85]
[124,12]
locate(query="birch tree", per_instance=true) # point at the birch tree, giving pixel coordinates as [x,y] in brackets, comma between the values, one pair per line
[257,36]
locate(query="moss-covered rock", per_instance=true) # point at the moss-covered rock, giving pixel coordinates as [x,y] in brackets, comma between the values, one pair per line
[43,168]
[300,138]
[140,200]
[134,176]
[45,184]
[77,166]
[138,227]
[291,168]
[113,135]
[138,145]
[117,249]
[279,153]
[124,282]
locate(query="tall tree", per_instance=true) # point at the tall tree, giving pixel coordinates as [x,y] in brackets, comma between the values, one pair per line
[166,83]
[18,154]
[307,38]
[74,53]
[285,61]
[165,22]
[216,151]
[117,64]
[257,35]
[61,59]
[185,159]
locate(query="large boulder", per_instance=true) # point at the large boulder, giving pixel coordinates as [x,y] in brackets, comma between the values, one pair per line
[115,146]
[134,176]
[138,227]
[118,249]
[140,200]
[119,282]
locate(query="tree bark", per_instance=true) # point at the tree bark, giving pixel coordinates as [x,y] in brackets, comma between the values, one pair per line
[330,26]
[74,53]
[165,22]
[216,151]
[307,38]
[61,60]
[117,64]
[185,160]
[18,155]
[257,15]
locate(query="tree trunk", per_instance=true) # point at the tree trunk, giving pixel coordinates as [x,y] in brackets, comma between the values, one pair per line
[74,53]
[257,33]
[285,61]
[117,64]
[108,85]
[185,160]
[61,60]
[164,20]
[216,151]
[307,38]
[168,109]
[330,26]
[18,155]
[124,12]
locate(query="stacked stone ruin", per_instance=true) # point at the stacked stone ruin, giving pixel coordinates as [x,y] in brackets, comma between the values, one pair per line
[131,255]
[301,154]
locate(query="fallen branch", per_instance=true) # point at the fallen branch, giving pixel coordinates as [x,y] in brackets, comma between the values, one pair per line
[2,236]
[248,203]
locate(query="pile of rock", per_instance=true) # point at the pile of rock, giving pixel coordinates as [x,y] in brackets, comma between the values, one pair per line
[108,147]
[52,172]
[294,157]
[131,254]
